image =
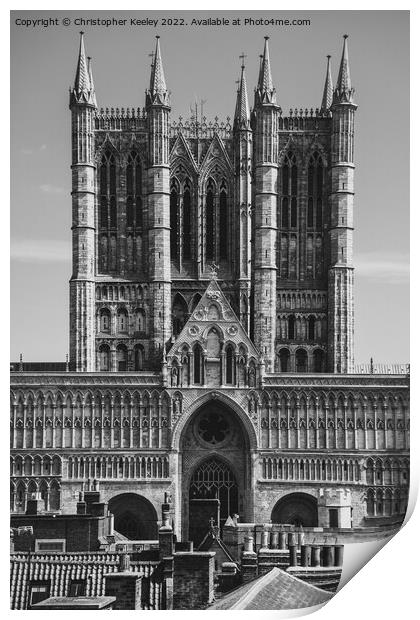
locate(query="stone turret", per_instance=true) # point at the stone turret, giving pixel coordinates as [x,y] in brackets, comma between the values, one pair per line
[157,106]
[265,218]
[82,282]
[341,271]
[242,163]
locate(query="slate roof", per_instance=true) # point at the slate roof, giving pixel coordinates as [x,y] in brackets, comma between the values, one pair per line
[274,590]
[61,568]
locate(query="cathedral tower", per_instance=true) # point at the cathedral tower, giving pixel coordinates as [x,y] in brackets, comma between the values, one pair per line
[265,217]
[340,274]
[242,138]
[157,106]
[82,282]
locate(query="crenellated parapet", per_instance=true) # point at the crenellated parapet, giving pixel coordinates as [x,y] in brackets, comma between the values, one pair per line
[121,119]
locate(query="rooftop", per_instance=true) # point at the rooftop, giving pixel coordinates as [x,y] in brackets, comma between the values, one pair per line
[274,590]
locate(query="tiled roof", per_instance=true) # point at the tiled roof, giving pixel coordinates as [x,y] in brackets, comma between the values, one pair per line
[275,590]
[60,568]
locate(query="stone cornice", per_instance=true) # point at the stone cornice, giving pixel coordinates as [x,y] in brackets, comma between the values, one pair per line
[84,379]
[336,381]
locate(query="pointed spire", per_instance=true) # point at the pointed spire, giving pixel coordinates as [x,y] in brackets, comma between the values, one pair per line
[81,82]
[327,97]
[81,93]
[158,92]
[343,91]
[92,85]
[242,107]
[266,82]
[260,69]
[265,90]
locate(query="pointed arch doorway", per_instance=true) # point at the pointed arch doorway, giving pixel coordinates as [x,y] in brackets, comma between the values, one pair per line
[213,494]
[216,469]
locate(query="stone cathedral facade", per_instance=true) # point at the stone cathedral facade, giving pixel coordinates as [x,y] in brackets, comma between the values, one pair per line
[211,322]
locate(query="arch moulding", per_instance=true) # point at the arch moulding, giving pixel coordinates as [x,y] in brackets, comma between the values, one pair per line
[210,396]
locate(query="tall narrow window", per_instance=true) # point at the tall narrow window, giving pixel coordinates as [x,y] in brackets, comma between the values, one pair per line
[139,190]
[105,320]
[210,220]
[107,204]
[134,191]
[197,356]
[284,356]
[112,192]
[301,360]
[319,186]
[293,213]
[130,199]
[285,201]
[315,191]
[173,216]
[230,370]
[186,223]
[104,358]
[291,327]
[103,188]
[311,328]
[289,215]
[179,314]
[310,221]
[122,321]
[223,222]
[107,188]
[122,358]
[138,357]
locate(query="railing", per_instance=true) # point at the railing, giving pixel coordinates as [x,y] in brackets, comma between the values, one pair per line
[192,128]
[382,369]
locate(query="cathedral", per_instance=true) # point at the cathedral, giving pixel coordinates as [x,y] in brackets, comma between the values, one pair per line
[211,324]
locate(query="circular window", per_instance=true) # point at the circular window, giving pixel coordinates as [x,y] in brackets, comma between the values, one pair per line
[213,427]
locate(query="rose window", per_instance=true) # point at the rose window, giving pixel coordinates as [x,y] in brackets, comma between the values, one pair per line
[213,427]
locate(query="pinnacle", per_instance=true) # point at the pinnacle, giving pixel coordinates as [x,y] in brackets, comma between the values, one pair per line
[242,107]
[157,82]
[344,80]
[328,87]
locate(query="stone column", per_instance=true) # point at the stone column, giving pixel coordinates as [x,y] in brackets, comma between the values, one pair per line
[328,555]
[315,555]
[249,563]
[305,555]
[338,555]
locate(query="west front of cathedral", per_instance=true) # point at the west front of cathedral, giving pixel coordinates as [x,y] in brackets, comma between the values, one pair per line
[211,325]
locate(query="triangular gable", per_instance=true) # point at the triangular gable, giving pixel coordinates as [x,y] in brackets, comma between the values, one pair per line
[213,309]
[213,542]
[216,153]
[181,151]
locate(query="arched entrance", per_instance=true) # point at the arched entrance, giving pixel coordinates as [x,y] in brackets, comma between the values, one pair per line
[213,494]
[134,516]
[215,469]
[296,509]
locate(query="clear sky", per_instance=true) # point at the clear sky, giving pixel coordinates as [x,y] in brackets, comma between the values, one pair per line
[203,63]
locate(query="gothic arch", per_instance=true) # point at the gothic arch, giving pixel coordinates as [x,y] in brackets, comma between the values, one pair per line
[187,415]
[315,148]
[135,516]
[107,146]
[296,508]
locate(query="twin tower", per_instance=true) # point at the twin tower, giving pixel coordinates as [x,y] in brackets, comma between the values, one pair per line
[160,207]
